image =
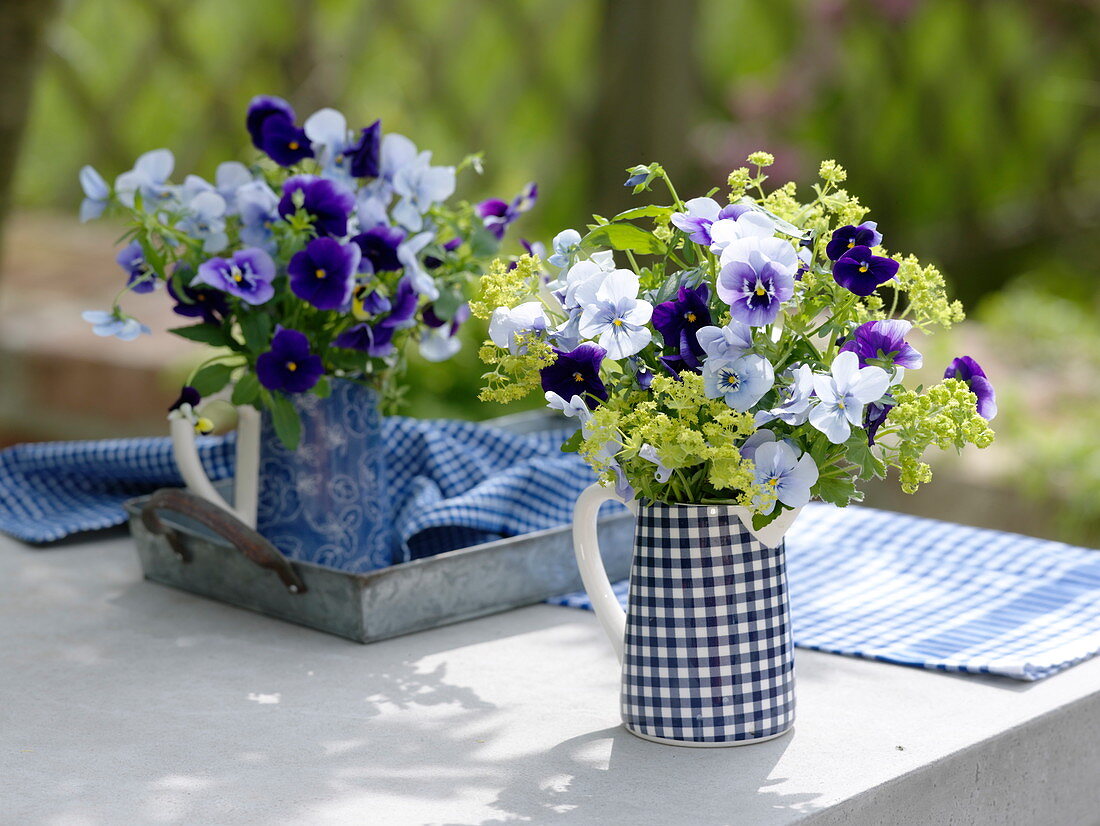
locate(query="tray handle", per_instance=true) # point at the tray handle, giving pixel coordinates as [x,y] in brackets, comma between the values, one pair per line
[224,524]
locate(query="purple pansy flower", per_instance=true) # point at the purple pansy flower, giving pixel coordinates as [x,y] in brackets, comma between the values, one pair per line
[324,273]
[364,154]
[289,366]
[757,276]
[270,123]
[678,321]
[496,214]
[873,418]
[247,275]
[849,237]
[379,247]
[576,373]
[882,343]
[328,203]
[132,259]
[189,396]
[439,343]
[209,305]
[967,370]
[376,339]
[862,273]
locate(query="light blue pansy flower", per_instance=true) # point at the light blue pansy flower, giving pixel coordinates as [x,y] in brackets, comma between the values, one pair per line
[742,382]
[96,194]
[149,177]
[112,324]
[842,395]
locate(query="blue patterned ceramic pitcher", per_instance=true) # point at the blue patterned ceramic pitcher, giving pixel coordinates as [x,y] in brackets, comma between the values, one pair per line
[327,500]
[705,644]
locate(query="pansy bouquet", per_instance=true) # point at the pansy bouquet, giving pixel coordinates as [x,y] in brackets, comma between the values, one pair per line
[750,352]
[325,258]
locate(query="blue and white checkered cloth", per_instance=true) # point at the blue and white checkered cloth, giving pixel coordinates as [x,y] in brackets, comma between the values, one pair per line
[919,592]
[454,484]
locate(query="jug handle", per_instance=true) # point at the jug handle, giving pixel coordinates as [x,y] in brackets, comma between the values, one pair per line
[586,545]
[246,481]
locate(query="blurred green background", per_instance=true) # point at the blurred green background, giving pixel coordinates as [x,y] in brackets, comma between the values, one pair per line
[968,126]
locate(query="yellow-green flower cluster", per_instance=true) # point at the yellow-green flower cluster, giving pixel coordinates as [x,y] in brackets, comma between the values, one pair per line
[927,294]
[944,415]
[506,286]
[514,376]
[695,437]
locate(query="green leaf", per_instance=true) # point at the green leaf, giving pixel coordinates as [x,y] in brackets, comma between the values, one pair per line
[288,425]
[837,490]
[323,389]
[447,304]
[211,379]
[483,244]
[573,443]
[204,333]
[651,211]
[859,453]
[247,389]
[625,237]
[762,520]
[256,329]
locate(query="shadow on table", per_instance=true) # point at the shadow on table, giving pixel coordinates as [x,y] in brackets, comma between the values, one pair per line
[610,776]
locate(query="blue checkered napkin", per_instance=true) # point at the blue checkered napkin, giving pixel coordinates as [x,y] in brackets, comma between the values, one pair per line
[53,489]
[919,592]
[708,656]
[457,484]
[454,484]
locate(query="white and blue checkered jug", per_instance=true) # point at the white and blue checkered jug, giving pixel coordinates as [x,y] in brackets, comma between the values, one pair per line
[705,645]
[327,501]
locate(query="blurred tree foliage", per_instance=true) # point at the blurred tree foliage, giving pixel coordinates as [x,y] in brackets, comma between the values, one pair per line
[968,127]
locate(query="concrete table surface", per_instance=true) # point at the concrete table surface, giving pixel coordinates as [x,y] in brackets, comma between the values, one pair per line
[125,702]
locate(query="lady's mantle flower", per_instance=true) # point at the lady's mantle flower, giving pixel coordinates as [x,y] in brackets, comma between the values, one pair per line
[649,453]
[883,344]
[497,215]
[849,237]
[862,273]
[439,341]
[781,472]
[270,123]
[132,259]
[506,324]
[679,322]
[247,275]
[258,206]
[96,194]
[324,273]
[965,369]
[618,317]
[842,395]
[742,382]
[327,202]
[289,366]
[342,154]
[757,276]
[379,246]
[148,177]
[114,324]
[576,373]
[376,337]
[565,243]
[795,398]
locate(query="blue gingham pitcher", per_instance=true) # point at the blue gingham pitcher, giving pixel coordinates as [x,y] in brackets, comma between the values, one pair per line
[705,645]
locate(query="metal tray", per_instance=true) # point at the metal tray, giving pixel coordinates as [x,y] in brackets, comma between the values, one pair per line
[179,551]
